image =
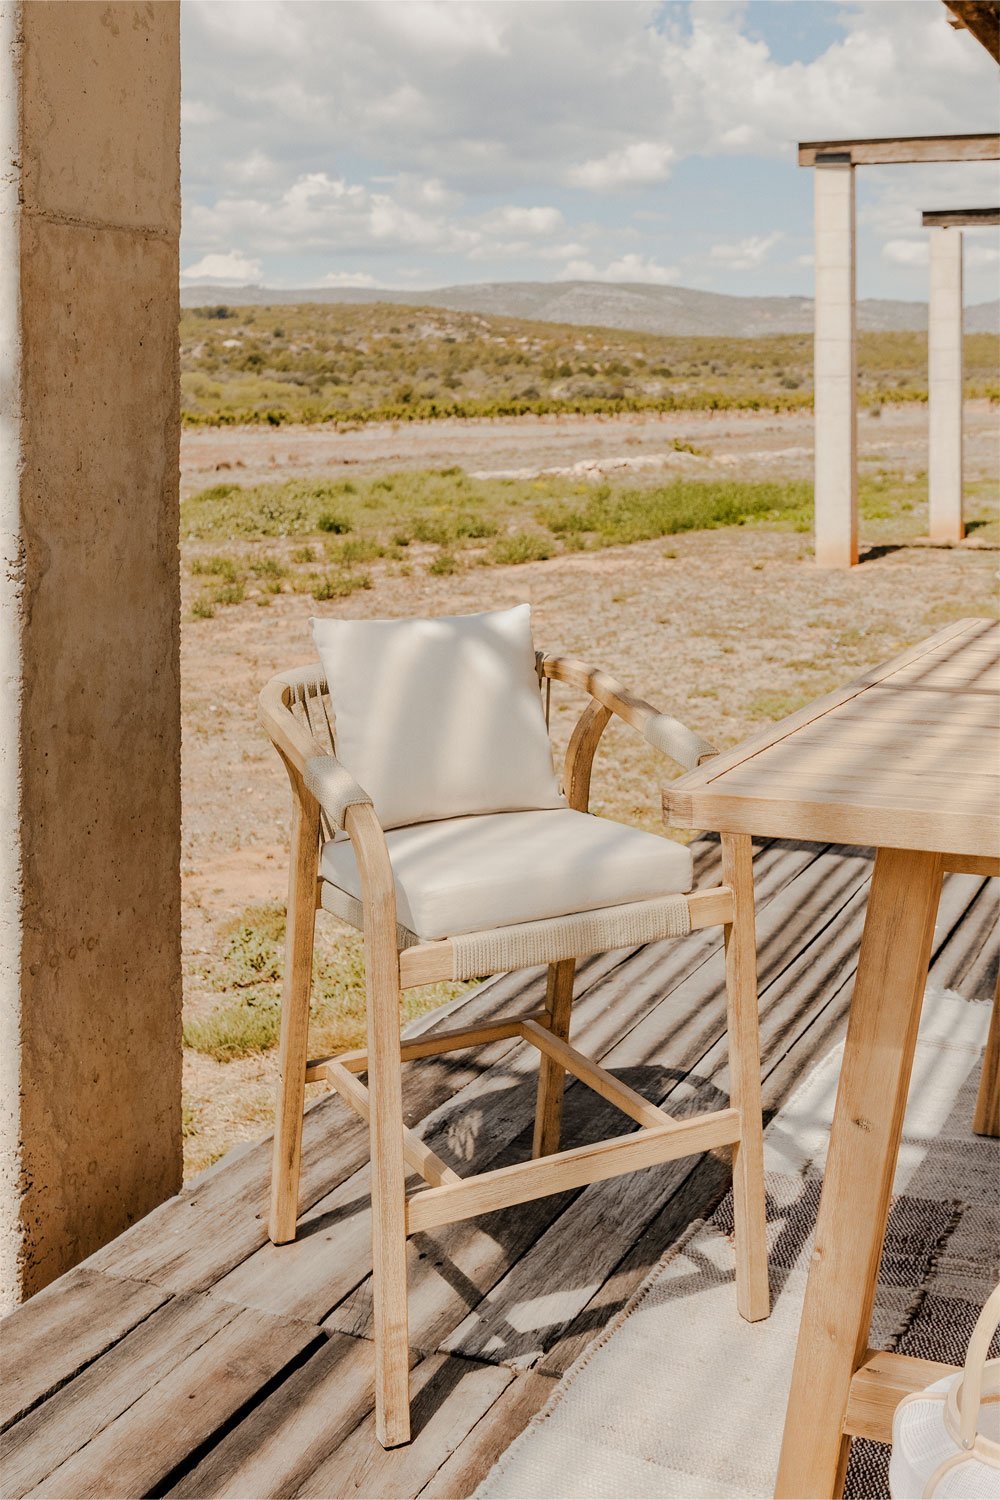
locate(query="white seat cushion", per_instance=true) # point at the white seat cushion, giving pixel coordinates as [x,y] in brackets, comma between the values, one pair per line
[439,718]
[472,874]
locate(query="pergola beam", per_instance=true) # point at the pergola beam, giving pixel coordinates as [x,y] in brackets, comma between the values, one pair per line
[960,218]
[900,150]
[981,18]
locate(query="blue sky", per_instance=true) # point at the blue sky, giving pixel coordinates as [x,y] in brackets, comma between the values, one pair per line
[418,143]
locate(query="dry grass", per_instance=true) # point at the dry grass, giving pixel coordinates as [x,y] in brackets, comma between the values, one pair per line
[443,521]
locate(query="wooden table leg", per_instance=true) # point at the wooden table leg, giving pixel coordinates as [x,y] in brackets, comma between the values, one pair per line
[864,1143]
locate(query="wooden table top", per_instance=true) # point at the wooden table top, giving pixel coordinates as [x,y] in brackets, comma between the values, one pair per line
[907,756]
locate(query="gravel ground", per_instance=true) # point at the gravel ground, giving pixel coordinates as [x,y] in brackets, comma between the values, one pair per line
[761,442]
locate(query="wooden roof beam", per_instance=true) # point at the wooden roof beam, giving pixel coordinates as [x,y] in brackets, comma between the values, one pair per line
[959,218]
[896,150]
[981,18]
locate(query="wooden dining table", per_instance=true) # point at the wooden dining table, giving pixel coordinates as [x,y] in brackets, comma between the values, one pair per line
[906,758]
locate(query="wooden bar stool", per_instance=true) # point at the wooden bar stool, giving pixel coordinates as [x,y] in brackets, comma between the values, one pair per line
[528,877]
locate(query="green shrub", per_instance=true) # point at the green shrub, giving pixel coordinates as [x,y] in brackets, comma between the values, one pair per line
[268,567]
[339,585]
[326,521]
[229,593]
[443,565]
[357,549]
[521,547]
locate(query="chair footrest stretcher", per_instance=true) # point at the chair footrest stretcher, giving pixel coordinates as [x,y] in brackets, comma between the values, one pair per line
[449,1198]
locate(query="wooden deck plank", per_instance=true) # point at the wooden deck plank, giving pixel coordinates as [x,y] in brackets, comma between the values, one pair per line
[74,1415]
[963,932]
[62,1329]
[285,1438]
[138,1451]
[506,1419]
[290,1412]
[448,1398]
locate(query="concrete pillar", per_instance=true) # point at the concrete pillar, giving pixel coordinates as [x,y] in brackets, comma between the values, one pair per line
[90,1047]
[944,387]
[836,497]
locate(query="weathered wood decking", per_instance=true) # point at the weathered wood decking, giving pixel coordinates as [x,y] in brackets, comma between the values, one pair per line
[190,1357]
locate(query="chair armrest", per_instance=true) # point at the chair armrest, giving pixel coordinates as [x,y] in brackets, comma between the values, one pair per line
[662,731]
[334,788]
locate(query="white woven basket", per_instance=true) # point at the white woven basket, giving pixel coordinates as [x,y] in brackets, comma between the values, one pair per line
[946,1439]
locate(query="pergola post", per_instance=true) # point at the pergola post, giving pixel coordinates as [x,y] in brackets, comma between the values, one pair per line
[836,481]
[836,425]
[90,1045]
[944,387]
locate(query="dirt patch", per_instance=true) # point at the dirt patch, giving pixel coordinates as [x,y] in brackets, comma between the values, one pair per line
[897,439]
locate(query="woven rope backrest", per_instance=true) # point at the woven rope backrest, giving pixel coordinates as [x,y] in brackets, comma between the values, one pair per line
[309,703]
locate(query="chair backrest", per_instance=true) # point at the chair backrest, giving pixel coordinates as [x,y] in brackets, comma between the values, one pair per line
[307,699]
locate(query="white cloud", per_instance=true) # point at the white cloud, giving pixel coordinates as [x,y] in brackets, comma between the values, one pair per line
[429,192]
[231,267]
[319,212]
[408,121]
[515,220]
[197,112]
[636,165]
[632,267]
[572,251]
[446,28]
[906,252]
[747,253]
[256,167]
[347,278]
[981,255]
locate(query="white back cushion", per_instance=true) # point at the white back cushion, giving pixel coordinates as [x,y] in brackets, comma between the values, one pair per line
[438,718]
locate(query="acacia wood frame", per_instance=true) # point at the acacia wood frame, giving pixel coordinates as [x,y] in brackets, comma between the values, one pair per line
[447,1197]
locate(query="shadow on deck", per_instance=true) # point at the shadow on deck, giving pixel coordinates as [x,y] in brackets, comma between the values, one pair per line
[191,1357]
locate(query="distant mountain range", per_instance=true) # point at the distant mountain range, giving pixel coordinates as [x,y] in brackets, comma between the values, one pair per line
[645,309]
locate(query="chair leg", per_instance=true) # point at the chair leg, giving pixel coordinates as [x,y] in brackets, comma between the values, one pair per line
[752,1294]
[986,1120]
[388,1174]
[551,1076]
[299,930]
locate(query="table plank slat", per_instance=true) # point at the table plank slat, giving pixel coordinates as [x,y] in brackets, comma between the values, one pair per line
[906,757]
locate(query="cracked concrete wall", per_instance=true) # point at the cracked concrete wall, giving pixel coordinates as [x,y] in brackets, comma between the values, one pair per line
[90,991]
